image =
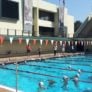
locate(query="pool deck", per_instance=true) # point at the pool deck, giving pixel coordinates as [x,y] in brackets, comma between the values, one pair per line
[7,89]
[4,90]
[34,57]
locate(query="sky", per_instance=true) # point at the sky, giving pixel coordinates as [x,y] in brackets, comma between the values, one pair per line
[80,9]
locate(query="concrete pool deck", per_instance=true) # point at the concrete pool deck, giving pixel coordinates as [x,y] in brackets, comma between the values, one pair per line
[7,89]
[34,57]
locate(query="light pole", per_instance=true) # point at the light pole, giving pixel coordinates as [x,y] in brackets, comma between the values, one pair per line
[16,77]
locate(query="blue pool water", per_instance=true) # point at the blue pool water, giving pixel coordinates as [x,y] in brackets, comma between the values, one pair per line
[32,72]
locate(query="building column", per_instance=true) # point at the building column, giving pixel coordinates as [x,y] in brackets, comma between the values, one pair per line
[36,20]
[56,24]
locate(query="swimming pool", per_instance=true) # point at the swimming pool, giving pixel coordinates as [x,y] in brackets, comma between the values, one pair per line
[32,72]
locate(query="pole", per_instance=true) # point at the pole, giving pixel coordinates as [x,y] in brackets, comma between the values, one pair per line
[63,17]
[37,18]
[16,77]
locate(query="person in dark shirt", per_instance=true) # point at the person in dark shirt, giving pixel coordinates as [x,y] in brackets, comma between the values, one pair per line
[39,51]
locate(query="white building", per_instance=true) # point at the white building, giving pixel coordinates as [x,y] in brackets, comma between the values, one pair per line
[45,19]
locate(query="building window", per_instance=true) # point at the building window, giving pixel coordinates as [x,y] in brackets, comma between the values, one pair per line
[44,15]
[9,9]
[45,31]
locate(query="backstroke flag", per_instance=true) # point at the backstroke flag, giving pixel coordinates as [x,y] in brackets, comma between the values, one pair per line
[28,5]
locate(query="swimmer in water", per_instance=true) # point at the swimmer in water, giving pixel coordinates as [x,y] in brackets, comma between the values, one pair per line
[77,75]
[79,71]
[76,80]
[51,83]
[69,67]
[65,81]
[41,85]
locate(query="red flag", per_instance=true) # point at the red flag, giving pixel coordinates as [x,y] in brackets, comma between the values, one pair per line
[20,40]
[34,42]
[1,39]
[46,42]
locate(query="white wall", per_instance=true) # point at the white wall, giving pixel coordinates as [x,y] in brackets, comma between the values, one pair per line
[69,23]
[45,5]
[46,23]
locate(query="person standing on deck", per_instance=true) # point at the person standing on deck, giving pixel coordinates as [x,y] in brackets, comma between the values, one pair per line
[39,51]
[28,48]
[55,50]
[63,48]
